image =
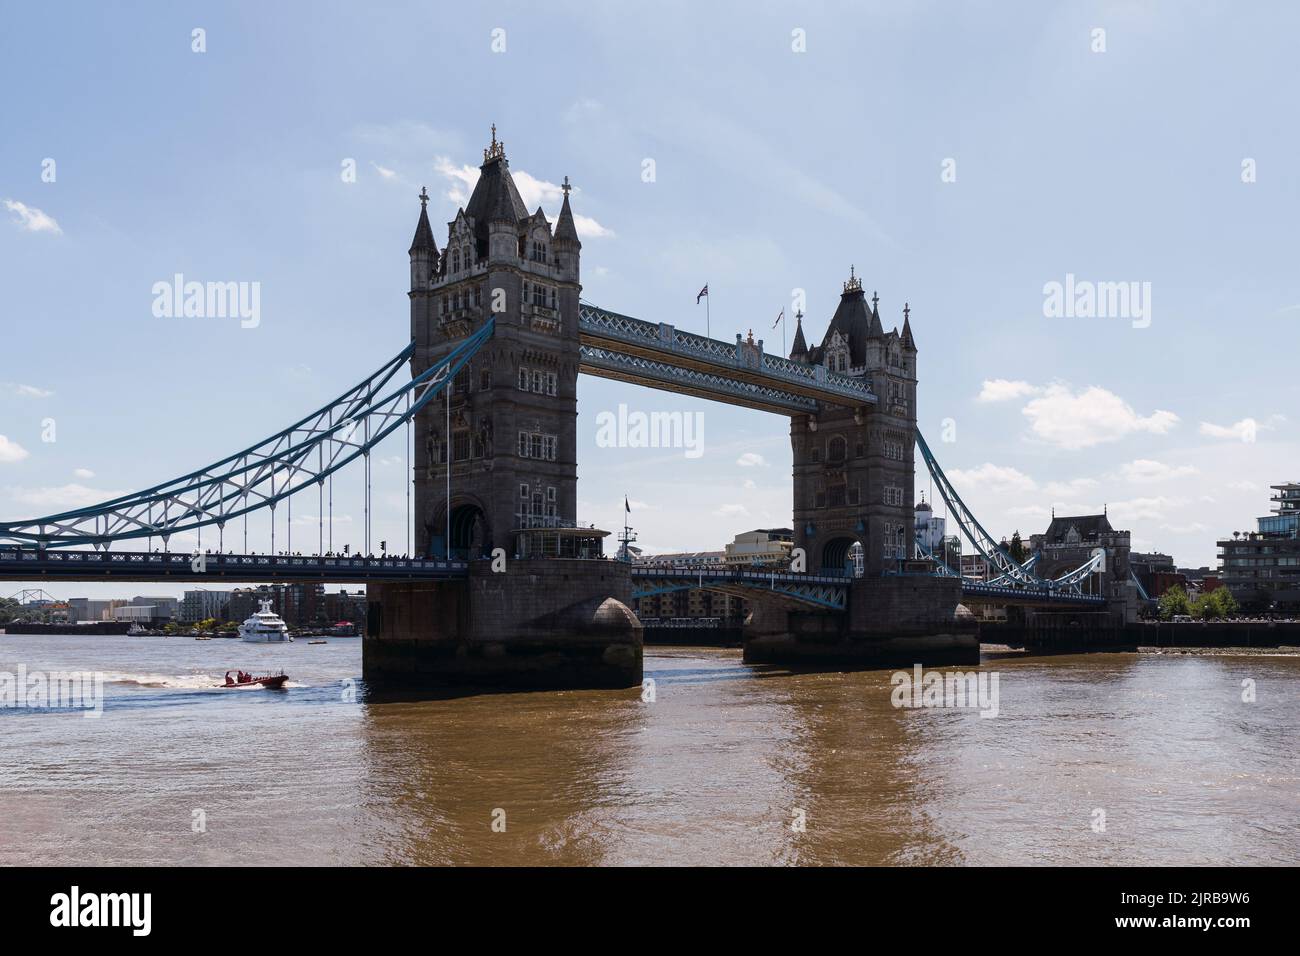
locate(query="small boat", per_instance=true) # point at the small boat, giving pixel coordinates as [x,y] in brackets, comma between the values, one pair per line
[318,642]
[270,681]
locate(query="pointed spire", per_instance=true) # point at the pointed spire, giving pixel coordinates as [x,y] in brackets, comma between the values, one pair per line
[908,341]
[564,226]
[875,328]
[496,150]
[423,240]
[800,346]
[854,284]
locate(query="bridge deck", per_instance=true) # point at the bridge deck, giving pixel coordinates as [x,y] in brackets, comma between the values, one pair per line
[237,568]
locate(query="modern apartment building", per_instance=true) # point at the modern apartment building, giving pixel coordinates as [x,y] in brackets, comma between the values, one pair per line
[1262,567]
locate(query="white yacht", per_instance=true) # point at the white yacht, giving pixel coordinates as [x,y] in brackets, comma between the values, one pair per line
[264,627]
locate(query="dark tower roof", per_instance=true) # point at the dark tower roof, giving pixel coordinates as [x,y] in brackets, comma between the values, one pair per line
[495,196]
[800,346]
[853,320]
[564,227]
[423,231]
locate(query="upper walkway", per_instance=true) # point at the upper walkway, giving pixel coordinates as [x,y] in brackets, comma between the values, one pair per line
[659,355]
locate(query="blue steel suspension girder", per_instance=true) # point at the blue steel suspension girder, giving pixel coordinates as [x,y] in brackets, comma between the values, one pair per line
[200,497]
[1010,571]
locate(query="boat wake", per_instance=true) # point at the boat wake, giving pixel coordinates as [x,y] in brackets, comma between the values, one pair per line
[174,682]
[171,682]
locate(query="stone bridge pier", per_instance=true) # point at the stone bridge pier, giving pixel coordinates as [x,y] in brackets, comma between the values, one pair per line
[893,621]
[545,623]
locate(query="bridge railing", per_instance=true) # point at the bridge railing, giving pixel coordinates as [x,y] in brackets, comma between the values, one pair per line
[121,560]
[740,574]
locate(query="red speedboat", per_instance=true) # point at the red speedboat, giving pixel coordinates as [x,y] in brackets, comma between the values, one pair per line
[271,681]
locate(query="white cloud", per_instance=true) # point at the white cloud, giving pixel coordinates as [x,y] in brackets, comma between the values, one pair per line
[1194,528]
[85,474]
[751,459]
[582,110]
[1146,471]
[384,171]
[27,391]
[998,479]
[1068,489]
[732,511]
[31,218]
[11,451]
[1030,511]
[533,191]
[1001,390]
[749,484]
[63,496]
[637,505]
[462,179]
[1244,430]
[315,521]
[1080,420]
[1149,509]
[1243,486]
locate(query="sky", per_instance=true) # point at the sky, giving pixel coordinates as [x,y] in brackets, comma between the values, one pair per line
[961,158]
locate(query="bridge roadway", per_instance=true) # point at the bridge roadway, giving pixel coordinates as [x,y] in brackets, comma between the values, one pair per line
[825,590]
[16,565]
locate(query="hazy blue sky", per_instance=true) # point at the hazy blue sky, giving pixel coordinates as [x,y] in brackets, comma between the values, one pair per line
[775,170]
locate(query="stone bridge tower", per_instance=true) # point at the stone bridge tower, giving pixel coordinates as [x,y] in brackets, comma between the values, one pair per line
[854,481]
[854,474]
[510,438]
[504,432]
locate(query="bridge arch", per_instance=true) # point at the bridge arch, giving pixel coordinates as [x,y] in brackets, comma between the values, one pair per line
[467,535]
[844,553]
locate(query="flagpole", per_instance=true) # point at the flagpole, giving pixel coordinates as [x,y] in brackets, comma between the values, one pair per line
[708,323]
[784,352]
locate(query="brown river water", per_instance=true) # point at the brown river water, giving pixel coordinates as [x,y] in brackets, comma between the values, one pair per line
[727,765]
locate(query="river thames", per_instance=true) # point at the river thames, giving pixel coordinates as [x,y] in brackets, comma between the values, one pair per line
[1102,759]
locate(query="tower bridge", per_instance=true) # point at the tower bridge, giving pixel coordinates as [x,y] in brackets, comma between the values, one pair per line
[506,587]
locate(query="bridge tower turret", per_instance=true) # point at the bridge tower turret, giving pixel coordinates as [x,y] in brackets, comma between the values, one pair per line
[854,477]
[424,263]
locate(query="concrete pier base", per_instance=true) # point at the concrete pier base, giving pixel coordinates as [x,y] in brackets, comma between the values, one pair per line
[541,624]
[892,622]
